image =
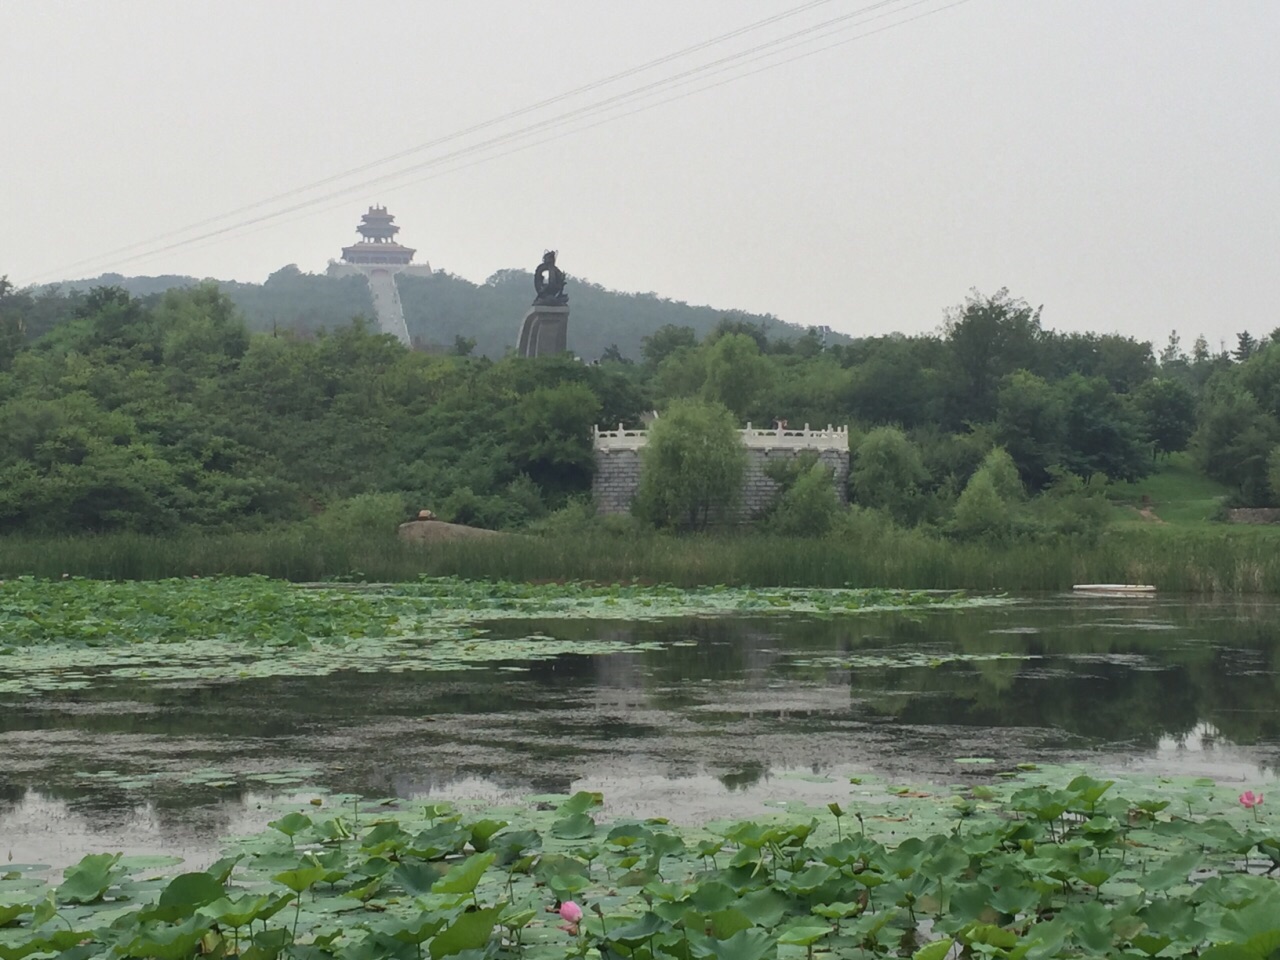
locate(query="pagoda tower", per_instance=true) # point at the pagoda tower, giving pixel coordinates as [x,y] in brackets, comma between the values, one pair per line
[379,257]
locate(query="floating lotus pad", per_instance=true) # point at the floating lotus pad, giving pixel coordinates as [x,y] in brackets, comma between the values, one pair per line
[1054,863]
[73,634]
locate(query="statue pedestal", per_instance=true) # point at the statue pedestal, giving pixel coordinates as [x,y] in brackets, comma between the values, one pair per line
[545,331]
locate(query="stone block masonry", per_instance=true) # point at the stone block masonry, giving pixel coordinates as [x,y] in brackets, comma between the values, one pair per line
[618,464]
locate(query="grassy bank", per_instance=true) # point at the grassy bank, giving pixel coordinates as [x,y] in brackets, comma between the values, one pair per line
[1177,493]
[1224,560]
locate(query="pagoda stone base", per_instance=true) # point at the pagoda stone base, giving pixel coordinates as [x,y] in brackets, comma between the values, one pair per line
[545,331]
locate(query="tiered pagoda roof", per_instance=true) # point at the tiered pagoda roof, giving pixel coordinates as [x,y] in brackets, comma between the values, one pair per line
[377,244]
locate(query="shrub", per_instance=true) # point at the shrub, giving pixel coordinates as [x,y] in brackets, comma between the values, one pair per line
[987,508]
[864,525]
[578,519]
[1070,508]
[888,474]
[364,513]
[981,513]
[808,506]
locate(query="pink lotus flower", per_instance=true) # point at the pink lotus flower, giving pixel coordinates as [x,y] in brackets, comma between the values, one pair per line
[570,911]
[571,914]
[1251,801]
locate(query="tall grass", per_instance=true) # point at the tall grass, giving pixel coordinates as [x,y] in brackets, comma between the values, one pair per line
[1213,562]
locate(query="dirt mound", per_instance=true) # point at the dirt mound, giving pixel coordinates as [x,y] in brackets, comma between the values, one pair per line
[438,531]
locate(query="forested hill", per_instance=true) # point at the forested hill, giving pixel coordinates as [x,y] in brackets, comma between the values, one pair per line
[443,307]
[161,412]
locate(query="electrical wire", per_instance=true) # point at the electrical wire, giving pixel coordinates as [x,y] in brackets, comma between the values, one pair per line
[464,160]
[466,131]
[808,35]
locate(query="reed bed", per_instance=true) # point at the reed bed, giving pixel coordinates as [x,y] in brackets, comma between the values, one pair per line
[1202,562]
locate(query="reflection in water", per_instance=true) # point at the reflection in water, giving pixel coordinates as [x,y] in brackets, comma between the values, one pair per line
[41,829]
[1154,684]
[1203,752]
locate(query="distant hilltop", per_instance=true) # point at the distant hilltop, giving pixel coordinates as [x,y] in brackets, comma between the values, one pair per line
[439,308]
[378,279]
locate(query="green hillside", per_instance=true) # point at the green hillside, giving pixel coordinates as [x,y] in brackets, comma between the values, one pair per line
[1176,493]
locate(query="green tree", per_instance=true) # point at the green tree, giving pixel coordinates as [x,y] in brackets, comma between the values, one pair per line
[807,504]
[1030,425]
[1173,352]
[551,438]
[1167,413]
[1069,508]
[1123,362]
[613,355]
[202,333]
[681,373]
[1260,375]
[888,474]
[737,376]
[999,466]
[13,323]
[1102,434]
[1246,346]
[692,466]
[987,339]
[895,380]
[988,507]
[1234,439]
[736,326]
[665,341]
[807,391]
[950,459]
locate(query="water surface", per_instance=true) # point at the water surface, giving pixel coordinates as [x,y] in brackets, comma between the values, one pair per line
[729,714]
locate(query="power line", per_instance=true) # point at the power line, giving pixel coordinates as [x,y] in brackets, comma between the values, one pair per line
[599,122]
[807,35]
[474,128]
[486,144]
[761,52]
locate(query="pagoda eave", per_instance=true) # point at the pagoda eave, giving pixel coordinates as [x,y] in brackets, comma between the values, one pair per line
[378,253]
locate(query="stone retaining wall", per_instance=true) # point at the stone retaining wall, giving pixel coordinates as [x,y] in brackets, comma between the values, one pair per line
[617,479]
[1254,515]
[618,464]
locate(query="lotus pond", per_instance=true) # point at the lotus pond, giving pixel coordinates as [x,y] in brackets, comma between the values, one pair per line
[433,769]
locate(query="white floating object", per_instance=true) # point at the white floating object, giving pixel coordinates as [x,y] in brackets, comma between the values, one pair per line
[1137,588]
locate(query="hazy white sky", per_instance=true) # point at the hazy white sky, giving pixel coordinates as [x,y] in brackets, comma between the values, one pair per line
[1116,160]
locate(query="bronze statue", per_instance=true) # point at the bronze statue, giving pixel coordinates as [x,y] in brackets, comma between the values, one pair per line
[548,283]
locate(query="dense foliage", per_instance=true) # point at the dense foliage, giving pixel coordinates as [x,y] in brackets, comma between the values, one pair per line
[167,412]
[1036,868]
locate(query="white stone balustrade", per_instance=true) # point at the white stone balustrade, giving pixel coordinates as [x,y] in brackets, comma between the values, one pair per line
[618,463]
[807,438]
